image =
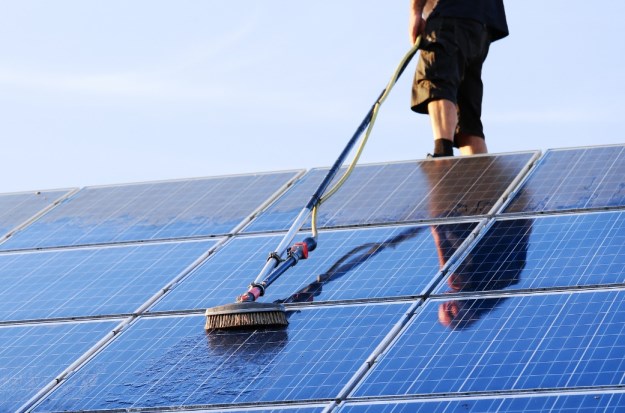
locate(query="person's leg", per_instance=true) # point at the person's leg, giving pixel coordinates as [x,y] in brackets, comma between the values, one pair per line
[469,136]
[444,118]
[436,82]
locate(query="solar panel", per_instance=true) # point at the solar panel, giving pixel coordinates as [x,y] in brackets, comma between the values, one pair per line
[570,179]
[17,208]
[556,251]
[565,403]
[151,211]
[290,409]
[545,341]
[534,321]
[33,355]
[171,361]
[402,192]
[347,264]
[89,281]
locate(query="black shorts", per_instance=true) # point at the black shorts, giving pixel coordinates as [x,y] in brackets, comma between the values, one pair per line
[450,67]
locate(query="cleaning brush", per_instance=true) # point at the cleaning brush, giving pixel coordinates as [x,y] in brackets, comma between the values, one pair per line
[246,314]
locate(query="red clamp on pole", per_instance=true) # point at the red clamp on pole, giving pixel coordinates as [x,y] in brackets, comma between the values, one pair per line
[301,249]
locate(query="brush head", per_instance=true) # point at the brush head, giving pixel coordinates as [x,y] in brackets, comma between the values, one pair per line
[245,315]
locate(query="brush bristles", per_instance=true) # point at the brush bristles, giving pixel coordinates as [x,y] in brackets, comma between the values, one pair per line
[242,320]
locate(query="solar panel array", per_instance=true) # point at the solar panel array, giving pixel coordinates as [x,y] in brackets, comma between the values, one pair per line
[484,284]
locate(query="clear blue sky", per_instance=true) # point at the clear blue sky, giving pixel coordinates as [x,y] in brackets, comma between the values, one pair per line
[107,92]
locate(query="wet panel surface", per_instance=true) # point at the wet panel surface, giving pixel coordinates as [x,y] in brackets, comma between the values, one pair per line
[173,362]
[402,192]
[361,263]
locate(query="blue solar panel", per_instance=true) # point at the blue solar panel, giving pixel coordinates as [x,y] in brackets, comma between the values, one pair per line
[574,179]
[16,209]
[151,211]
[547,341]
[588,403]
[89,281]
[33,355]
[539,325]
[402,192]
[311,409]
[348,264]
[556,251]
[171,361]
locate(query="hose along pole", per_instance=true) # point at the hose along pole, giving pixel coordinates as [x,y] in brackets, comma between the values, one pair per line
[300,250]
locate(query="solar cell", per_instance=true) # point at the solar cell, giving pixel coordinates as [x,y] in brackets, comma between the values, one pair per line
[570,179]
[347,264]
[171,361]
[151,211]
[555,251]
[16,208]
[89,281]
[588,403]
[33,355]
[402,192]
[545,341]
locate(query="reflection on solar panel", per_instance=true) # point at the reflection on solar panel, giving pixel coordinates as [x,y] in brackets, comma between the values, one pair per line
[548,341]
[15,209]
[348,264]
[151,211]
[402,192]
[589,403]
[556,251]
[575,179]
[172,362]
[33,355]
[89,281]
[390,314]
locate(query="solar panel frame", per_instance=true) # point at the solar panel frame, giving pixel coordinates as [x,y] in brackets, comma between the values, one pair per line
[541,191]
[592,402]
[504,343]
[47,351]
[536,252]
[92,281]
[108,214]
[22,214]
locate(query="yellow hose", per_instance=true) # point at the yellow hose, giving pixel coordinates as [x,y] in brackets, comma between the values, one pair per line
[365,138]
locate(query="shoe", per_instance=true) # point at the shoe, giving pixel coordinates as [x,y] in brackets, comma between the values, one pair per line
[430,156]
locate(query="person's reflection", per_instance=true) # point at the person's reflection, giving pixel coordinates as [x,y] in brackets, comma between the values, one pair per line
[495,263]
[498,259]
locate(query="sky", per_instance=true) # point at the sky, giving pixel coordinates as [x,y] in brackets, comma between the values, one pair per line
[104,92]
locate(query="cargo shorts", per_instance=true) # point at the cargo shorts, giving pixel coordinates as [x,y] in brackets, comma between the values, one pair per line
[450,67]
